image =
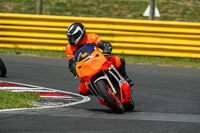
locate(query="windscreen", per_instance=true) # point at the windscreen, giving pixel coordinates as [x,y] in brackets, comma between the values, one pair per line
[84,51]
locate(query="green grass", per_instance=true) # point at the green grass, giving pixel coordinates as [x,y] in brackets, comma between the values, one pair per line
[170,10]
[167,61]
[16,51]
[16,99]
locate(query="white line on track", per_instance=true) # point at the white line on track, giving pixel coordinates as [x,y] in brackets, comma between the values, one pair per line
[32,91]
[59,97]
[21,88]
[35,88]
[141,116]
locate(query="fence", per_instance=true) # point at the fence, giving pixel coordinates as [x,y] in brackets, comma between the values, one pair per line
[135,37]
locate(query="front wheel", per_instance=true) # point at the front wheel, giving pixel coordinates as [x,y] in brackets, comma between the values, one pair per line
[110,98]
[3,70]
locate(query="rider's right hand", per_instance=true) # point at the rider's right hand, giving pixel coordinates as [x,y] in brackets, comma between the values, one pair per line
[106,47]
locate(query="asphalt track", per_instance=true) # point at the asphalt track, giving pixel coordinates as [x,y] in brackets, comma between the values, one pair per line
[167,100]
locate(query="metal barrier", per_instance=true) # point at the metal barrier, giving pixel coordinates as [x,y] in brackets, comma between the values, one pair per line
[135,37]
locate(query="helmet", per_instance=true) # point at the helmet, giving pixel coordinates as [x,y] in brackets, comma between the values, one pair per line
[75,33]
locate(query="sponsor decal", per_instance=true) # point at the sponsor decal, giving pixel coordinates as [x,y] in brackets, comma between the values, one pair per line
[83,55]
[48,97]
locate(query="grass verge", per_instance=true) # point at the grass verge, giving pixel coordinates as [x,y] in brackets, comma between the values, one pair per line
[167,61]
[17,99]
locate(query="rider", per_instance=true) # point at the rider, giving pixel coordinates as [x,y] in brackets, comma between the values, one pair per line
[77,37]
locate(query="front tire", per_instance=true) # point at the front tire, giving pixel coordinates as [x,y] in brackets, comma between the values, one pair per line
[113,101]
[3,70]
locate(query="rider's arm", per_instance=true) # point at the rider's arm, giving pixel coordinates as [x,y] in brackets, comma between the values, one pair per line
[71,59]
[105,46]
[72,66]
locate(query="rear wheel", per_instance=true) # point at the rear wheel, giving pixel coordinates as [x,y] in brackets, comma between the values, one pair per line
[110,98]
[129,106]
[2,69]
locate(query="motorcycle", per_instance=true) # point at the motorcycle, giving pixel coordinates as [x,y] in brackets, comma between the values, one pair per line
[103,79]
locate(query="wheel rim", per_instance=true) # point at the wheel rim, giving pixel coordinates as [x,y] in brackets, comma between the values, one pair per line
[114,96]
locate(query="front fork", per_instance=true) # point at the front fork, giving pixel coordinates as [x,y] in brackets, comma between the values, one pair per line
[123,87]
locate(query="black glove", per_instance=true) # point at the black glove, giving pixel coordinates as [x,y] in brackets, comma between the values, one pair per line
[72,66]
[107,50]
[106,47]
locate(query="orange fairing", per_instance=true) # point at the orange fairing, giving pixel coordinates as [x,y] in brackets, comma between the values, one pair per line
[91,65]
[125,93]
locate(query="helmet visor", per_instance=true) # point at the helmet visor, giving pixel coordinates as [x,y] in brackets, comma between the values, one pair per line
[73,37]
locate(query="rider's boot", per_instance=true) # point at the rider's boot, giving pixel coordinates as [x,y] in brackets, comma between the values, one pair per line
[86,94]
[130,82]
[122,71]
[83,89]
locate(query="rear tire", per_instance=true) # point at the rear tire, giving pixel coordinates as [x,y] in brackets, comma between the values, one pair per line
[129,106]
[3,70]
[115,105]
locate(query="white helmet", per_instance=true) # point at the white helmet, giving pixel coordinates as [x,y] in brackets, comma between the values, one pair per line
[75,33]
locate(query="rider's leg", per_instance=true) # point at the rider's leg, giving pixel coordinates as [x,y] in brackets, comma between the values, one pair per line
[119,63]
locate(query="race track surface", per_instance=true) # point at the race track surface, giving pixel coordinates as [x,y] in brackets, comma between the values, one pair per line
[167,100]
